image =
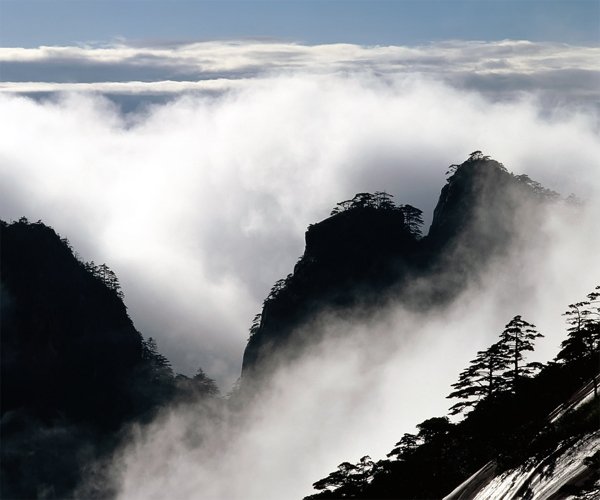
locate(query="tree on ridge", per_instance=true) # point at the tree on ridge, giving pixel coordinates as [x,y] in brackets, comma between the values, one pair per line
[583,342]
[482,379]
[518,336]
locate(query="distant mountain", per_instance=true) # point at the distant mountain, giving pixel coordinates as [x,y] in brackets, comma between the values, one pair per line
[371,249]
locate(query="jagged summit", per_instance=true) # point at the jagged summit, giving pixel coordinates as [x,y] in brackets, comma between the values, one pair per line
[479,180]
[361,249]
[370,248]
[482,196]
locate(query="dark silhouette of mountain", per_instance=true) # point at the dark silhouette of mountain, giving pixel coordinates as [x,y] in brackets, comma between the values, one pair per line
[74,370]
[348,259]
[68,345]
[370,251]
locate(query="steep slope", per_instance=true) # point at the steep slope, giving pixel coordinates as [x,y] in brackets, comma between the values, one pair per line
[535,437]
[571,470]
[349,260]
[68,345]
[74,370]
[510,446]
[367,253]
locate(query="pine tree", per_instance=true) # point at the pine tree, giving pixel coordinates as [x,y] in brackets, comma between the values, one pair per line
[483,378]
[384,201]
[406,446]
[583,342]
[363,200]
[584,331]
[517,337]
[349,479]
[160,365]
[255,325]
[206,385]
[413,219]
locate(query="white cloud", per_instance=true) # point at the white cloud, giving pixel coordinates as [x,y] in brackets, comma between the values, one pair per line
[214,56]
[199,205]
[500,70]
[136,88]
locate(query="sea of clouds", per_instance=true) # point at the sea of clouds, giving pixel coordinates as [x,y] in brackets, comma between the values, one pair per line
[199,202]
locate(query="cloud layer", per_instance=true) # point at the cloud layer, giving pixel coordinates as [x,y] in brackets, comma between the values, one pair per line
[199,205]
[500,70]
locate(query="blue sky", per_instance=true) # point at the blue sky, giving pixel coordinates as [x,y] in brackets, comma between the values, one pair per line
[26,23]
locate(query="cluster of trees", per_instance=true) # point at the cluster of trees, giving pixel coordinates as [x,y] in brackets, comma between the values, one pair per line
[168,387]
[256,323]
[583,342]
[106,276]
[348,477]
[380,200]
[499,368]
[539,191]
[509,400]
[475,156]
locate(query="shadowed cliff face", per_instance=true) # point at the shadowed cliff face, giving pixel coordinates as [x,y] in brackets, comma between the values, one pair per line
[349,259]
[74,370]
[477,185]
[68,345]
[70,358]
[481,206]
[363,257]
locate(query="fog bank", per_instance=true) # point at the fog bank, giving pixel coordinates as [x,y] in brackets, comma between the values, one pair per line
[370,381]
[200,205]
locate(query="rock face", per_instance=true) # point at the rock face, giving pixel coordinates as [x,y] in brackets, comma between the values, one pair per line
[364,255]
[74,370]
[68,346]
[349,257]
[571,471]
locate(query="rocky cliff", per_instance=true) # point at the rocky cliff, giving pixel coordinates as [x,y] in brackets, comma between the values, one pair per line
[367,253]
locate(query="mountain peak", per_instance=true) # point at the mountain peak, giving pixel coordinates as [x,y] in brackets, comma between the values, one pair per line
[370,248]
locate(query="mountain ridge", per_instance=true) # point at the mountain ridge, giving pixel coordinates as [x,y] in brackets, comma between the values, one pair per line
[365,253]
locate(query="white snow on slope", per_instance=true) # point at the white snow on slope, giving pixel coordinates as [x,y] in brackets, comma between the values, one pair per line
[541,480]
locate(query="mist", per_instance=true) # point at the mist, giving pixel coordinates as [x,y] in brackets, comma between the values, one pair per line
[200,204]
[373,378]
